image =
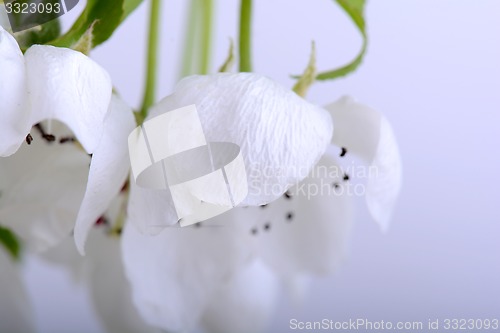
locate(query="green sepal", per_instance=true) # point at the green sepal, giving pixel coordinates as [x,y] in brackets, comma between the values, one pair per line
[10,242]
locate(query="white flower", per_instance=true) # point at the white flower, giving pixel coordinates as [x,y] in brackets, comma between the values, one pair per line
[50,83]
[178,276]
[41,201]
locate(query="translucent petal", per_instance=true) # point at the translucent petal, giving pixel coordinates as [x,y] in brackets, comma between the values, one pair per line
[41,187]
[244,304]
[175,274]
[306,230]
[365,132]
[110,289]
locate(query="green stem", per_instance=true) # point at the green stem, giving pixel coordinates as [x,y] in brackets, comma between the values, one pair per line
[151,71]
[245,47]
[206,40]
[190,39]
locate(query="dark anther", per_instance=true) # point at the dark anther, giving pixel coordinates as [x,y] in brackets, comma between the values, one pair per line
[263,206]
[336,185]
[267,226]
[346,177]
[289,216]
[29,139]
[124,187]
[119,231]
[254,231]
[287,195]
[67,139]
[343,152]
[101,220]
[46,136]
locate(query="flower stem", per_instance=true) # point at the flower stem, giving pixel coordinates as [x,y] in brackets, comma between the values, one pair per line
[190,36]
[245,41]
[151,66]
[206,38]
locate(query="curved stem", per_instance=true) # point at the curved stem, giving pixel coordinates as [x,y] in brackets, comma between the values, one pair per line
[151,67]
[245,47]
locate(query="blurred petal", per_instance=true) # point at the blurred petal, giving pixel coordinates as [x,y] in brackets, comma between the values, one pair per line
[15,120]
[280,134]
[246,303]
[41,187]
[175,274]
[306,230]
[68,86]
[15,309]
[66,255]
[365,132]
[149,210]
[108,170]
[109,287]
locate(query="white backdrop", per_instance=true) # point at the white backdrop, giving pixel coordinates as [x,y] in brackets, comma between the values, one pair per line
[433,67]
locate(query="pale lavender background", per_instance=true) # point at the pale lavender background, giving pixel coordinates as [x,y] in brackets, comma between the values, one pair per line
[433,68]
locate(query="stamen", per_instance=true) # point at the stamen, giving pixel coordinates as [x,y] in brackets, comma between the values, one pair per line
[67,139]
[343,151]
[45,135]
[101,221]
[29,139]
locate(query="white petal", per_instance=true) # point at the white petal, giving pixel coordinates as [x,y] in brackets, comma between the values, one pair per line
[365,132]
[246,303]
[175,274]
[15,123]
[42,186]
[108,170]
[305,232]
[66,85]
[280,134]
[109,287]
[15,309]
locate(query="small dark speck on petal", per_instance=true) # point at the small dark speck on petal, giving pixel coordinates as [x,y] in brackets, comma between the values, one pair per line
[267,226]
[29,139]
[197,225]
[287,195]
[346,177]
[336,185]
[263,206]
[289,216]
[343,151]
[254,231]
